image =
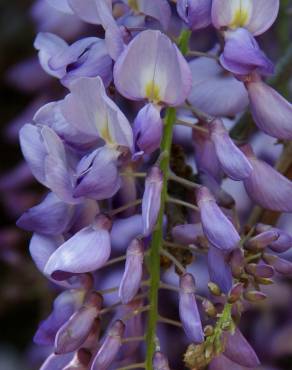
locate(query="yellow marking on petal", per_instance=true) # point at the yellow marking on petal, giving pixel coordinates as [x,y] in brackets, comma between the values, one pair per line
[134,5]
[152,92]
[105,134]
[240,18]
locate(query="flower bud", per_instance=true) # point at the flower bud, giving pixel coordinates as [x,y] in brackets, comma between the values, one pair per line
[148,128]
[254,296]
[209,308]
[160,362]
[235,293]
[261,241]
[132,276]
[217,227]
[282,244]
[208,330]
[232,160]
[237,262]
[151,199]
[219,269]
[188,309]
[260,270]
[214,289]
[271,112]
[281,265]
[110,347]
[75,331]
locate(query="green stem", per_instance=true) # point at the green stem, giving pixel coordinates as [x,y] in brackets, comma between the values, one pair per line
[157,240]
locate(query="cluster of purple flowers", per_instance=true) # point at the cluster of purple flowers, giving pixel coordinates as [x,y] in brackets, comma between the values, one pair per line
[117,197]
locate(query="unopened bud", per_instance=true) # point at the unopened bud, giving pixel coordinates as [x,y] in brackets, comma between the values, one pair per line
[214,289]
[254,296]
[237,262]
[264,281]
[261,271]
[208,330]
[209,308]
[261,241]
[235,293]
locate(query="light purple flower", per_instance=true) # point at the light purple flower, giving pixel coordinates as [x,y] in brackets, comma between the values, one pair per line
[132,276]
[187,233]
[46,155]
[148,128]
[271,112]
[61,5]
[281,265]
[73,333]
[129,227]
[255,15]
[188,309]
[262,240]
[80,360]
[91,111]
[87,9]
[232,160]
[195,13]
[217,227]
[223,363]
[223,198]
[151,199]
[266,186]
[219,269]
[242,54]
[212,84]
[110,347]
[161,75]
[87,250]
[160,362]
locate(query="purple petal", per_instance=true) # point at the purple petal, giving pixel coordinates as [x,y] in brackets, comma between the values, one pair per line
[242,55]
[262,240]
[239,350]
[33,150]
[132,276]
[264,14]
[148,128]
[188,309]
[65,305]
[87,10]
[187,233]
[49,45]
[87,250]
[211,83]
[61,5]
[74,332]
[257,15]
[232,160]
[219,269]
[284,241]
[129,227]
[50,217]
[205,155]
[196,13]
[223,198]
[157,9]
[281,265]
[271,112]
[267,187]
[160,362]
[56,362]
[100,180]
[151,199]
[223,363]
[80,361]
[110,347]
[154,75]
[217,227]
[89,109]
[41,247]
